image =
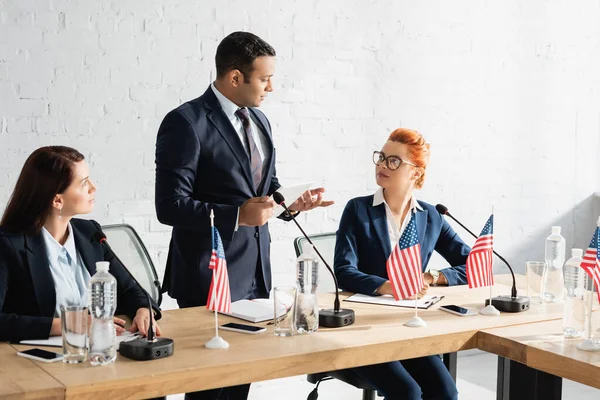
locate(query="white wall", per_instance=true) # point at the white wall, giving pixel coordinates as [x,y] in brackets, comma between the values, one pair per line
[507,92]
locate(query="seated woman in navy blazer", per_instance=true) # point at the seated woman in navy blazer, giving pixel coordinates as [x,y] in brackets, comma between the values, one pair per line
[47,257]
[370,228]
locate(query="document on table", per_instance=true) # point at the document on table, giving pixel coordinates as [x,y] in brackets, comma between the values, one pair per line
[387,300]
[256,310]
[56,341]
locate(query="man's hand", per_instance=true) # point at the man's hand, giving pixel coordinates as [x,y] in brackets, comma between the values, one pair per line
[386,288]
[310,199]
[256,211]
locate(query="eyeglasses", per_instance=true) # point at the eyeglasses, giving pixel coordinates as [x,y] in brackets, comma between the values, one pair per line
[392,162]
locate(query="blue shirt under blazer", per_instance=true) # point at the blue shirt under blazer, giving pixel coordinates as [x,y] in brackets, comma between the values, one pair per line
[363,245]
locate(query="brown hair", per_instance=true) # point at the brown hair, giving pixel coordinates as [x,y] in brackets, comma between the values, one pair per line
[418,149]
[47,172]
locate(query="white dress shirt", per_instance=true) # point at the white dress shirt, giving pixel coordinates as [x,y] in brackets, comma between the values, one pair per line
[394,230]
[230,108]
[70,276]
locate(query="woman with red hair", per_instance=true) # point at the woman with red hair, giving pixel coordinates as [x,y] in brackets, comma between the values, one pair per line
[370,228]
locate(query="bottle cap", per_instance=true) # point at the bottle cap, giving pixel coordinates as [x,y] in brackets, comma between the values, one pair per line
[576,252]
[307,250]
[102,266]
[556,230]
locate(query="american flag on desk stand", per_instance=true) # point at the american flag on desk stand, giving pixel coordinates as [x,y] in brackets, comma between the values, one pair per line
[480,259]
[404,264]
[219,294]
[591,259]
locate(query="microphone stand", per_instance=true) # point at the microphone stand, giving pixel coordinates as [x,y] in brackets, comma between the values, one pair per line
[328,318]
[512,303]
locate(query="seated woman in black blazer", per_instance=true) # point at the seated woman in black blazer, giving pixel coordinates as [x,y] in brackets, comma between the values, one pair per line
[47,257]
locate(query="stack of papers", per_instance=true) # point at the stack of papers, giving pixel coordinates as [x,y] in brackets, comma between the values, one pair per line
[257,310]
[387,300]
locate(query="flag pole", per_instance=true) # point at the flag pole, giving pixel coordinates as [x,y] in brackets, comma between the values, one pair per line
[214,291]
[490,310]
[216,342]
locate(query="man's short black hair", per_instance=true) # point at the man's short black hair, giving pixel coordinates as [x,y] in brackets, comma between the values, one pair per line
[238,51]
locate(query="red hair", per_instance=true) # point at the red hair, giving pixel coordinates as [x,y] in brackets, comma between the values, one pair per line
[418,149]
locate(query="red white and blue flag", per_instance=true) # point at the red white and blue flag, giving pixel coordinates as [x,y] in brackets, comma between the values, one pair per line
[404,264]
[219,294]
[480,259]
[591,260]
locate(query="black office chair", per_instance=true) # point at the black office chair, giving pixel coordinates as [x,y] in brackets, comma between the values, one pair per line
[130,249]
[325,242]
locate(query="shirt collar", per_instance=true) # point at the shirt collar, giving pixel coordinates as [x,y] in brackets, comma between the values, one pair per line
[228,106]
[378,199]
[53,248]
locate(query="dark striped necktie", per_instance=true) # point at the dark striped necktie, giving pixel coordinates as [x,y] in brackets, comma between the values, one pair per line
[254,155]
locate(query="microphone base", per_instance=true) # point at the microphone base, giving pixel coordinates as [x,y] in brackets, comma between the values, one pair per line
[142,350]
[329,318]
[510,304]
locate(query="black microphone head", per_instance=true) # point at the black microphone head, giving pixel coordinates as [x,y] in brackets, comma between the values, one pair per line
[442,209]
[278,197]
[98,236]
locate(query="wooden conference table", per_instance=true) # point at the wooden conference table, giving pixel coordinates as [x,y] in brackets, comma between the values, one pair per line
[378,335]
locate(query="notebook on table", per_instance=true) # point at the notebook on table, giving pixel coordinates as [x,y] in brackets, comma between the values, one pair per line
[387,300]
[257,310]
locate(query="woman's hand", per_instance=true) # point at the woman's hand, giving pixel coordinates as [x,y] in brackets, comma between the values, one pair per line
[386,288]
[119,325]
[56,327]
[141,322]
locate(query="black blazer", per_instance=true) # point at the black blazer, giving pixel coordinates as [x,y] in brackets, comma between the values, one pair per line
[202,165]
[27,294]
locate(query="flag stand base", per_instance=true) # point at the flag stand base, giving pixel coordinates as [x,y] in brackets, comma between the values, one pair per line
[490,311]
[217,342]
[415,322]
[589,345]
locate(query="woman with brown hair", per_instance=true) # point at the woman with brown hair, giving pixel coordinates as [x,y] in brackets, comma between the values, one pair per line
[47,256]
[370,228]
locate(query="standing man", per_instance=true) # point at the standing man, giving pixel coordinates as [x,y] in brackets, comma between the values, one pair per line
[216,152]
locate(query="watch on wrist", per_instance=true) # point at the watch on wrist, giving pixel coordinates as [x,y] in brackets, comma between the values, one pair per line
[435,275]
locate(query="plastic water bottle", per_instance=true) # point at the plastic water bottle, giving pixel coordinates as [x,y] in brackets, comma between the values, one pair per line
[552,279]
[306,306]
[103,303]
[575,285]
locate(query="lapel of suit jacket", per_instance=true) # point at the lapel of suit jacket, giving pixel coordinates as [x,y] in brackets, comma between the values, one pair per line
[379,221]
[86,249]
[216,115]
[39,268]
[260,120]
[421,221]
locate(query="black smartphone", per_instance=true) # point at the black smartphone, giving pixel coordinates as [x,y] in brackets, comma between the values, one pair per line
[457,310]
[41,355]
[253,330]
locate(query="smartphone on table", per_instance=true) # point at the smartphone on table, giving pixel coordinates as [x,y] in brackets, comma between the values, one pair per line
[242,328]
[458,310]
[41,355]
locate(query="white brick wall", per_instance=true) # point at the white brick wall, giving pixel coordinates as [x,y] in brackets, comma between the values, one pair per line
[507,93]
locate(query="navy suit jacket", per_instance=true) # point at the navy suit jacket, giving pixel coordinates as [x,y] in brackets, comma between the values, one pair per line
[201,165]
[27,294]
[363,245]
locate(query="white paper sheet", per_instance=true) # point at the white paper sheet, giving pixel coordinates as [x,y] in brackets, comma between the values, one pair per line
[290,194]
[388,300]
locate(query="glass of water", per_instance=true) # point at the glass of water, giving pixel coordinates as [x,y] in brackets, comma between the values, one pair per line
[534,271]
[283,299]
[74,321]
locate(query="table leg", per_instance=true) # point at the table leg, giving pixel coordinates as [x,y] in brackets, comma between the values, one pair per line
[517,381]
[450,363]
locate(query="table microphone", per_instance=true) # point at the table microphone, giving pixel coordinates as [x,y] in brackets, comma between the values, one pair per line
[512,303]
[328,318]
[141,349]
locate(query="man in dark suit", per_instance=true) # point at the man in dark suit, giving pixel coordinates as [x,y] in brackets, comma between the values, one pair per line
[216,153]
